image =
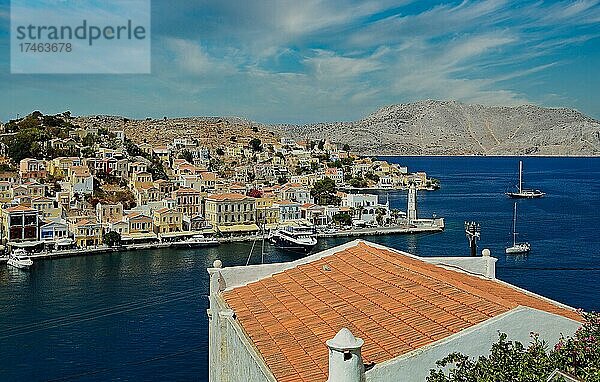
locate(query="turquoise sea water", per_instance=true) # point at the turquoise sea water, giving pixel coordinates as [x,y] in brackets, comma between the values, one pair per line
[140,316]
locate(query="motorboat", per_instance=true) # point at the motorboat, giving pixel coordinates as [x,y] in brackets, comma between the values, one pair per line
[196,241]
[523,193]
[295,238]
[19,259]
[517,248]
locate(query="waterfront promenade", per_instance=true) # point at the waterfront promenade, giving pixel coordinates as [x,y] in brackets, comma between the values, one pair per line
[424,226]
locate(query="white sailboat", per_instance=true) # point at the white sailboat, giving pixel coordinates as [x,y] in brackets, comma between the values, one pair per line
[517,247]
[524,193]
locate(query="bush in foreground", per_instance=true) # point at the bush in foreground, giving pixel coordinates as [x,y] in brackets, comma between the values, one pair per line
[578,355]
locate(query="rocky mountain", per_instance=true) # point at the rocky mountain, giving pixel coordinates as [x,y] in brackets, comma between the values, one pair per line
[453,128]
[211,132]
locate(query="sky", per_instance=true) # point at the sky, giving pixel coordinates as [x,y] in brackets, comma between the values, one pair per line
[280,61]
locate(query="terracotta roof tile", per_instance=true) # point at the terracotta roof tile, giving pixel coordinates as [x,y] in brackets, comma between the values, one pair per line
[395,303]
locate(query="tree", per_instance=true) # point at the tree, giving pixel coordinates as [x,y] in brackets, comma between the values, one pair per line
[342,219]
[29,142]
[321,145]
[371,176]
[346,148]
[358,183]
[512,361]
[220,152]
[187,155]
[324,192]
[256,145]
[380,214]
[112,239]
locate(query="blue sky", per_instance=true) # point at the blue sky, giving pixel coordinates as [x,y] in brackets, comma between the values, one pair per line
[317,60]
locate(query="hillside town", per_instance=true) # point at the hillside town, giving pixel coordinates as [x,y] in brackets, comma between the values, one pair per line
[63,186]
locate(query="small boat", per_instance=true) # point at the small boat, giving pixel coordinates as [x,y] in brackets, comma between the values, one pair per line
[19,259]
[301,238]
[517,248]
[196,241]
[524,193]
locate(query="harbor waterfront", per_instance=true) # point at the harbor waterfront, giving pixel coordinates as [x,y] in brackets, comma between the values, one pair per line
[141,315]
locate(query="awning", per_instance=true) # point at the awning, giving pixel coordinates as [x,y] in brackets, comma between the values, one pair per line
[24,244]
[167,235]
[238,228]
[64,241]
[139,236]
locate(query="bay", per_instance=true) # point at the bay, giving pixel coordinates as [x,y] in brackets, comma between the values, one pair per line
[137,316]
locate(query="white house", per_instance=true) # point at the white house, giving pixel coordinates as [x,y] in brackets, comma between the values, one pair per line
[288,210]
[365,207]
[54,231]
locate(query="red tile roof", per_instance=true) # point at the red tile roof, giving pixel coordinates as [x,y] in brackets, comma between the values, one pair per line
[228,196]
[20,208]
[394,302]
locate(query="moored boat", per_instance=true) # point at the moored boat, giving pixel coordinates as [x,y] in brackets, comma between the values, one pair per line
[301,238]
[196,241]
[523,193]
[517,248]
[19,259]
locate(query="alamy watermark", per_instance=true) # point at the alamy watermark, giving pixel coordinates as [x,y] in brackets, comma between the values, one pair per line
[80,36]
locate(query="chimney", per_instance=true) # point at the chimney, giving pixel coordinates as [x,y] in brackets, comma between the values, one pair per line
[345,360]
[490,267]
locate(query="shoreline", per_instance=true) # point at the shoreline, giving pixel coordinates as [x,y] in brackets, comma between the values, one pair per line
[379,231]
[479,156]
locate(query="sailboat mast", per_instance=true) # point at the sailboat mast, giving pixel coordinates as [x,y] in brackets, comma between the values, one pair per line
[520,177]
[515,226]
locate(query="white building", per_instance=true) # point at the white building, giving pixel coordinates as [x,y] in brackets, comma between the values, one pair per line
[291,321]
[365,207]
[288,210]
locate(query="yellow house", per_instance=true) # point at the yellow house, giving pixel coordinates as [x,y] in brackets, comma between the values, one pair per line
[35,189]
[59,167]
[266,213]
[87,233]
[141,179]
[230,209]
[168,220]
[163,153]
[5,192]
[46,208]
[139,223]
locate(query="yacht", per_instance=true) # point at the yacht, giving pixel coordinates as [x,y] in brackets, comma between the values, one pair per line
[19,259]
[517,248]
[196,241]
[302,238]
[524,193]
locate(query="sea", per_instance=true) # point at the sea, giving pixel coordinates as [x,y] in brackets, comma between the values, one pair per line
[140,316]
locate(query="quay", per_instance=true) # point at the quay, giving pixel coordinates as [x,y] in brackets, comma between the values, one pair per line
[423,226]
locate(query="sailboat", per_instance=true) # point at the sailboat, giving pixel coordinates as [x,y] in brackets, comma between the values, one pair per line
[524,193]
[517,247]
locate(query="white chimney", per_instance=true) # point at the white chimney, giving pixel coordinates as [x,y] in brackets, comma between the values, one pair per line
[345,360]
